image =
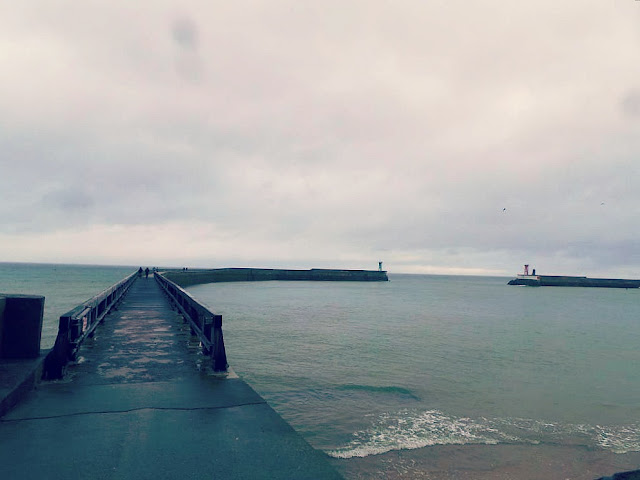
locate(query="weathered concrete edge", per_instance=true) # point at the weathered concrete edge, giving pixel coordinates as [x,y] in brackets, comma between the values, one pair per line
[187,278]
[29,375]
[566,281]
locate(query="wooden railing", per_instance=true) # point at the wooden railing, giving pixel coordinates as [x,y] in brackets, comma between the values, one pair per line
[79,323]
[205,324]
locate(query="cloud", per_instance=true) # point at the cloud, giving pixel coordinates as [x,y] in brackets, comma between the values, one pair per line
[322,134]
[185,33]
[631,103]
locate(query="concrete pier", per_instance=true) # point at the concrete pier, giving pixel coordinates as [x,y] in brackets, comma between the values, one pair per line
[141,402]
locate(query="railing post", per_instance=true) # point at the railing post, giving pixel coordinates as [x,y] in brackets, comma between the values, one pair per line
[57,359]
[207,329]
[219,354]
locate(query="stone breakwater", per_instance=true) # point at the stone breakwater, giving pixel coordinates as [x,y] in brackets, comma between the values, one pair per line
[186,278]
[566,281]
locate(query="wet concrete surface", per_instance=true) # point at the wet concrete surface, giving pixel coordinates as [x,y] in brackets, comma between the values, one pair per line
[17,378]
[143,402]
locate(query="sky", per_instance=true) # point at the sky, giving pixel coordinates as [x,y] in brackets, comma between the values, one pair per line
[443,137]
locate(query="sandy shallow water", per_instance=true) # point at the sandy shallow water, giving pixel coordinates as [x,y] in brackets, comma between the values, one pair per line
[490,462]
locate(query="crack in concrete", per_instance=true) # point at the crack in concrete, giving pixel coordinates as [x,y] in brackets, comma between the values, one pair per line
[180,409]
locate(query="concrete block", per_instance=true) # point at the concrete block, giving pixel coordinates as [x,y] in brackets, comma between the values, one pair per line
[20,325]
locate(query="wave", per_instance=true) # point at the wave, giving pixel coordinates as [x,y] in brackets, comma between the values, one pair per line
[406,430]
[615,438]
[378,389]
[618,439]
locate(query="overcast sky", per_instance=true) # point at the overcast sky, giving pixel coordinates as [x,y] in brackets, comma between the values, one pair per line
[437,136]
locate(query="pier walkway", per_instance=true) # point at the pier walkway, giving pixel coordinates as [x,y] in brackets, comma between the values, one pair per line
[140,403]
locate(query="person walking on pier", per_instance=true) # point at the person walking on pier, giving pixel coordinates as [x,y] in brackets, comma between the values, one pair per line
[146,272]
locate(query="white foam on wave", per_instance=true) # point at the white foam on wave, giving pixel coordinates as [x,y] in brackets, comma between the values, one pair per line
[618,439]
[406,430]
[410,430]
[615,438]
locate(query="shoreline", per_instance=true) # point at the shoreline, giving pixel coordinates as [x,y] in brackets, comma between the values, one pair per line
[489,462]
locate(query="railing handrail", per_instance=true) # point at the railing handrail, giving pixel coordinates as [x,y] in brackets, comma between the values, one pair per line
[205,324]
[91,302]
[80,322]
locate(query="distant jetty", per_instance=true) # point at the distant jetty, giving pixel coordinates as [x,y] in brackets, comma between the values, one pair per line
[533,280]
[186,278]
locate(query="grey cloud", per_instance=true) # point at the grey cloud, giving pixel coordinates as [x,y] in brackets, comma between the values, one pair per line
[185,33]
[70,199]
[631,103]
[345,131]
[188,62]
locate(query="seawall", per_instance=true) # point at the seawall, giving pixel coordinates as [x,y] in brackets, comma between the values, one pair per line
[566,281]
[186,278]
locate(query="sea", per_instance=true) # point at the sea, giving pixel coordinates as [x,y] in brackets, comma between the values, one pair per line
[63,287]
[424,376]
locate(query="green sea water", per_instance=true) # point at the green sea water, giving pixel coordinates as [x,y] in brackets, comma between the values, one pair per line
[367,368]
[63,286]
